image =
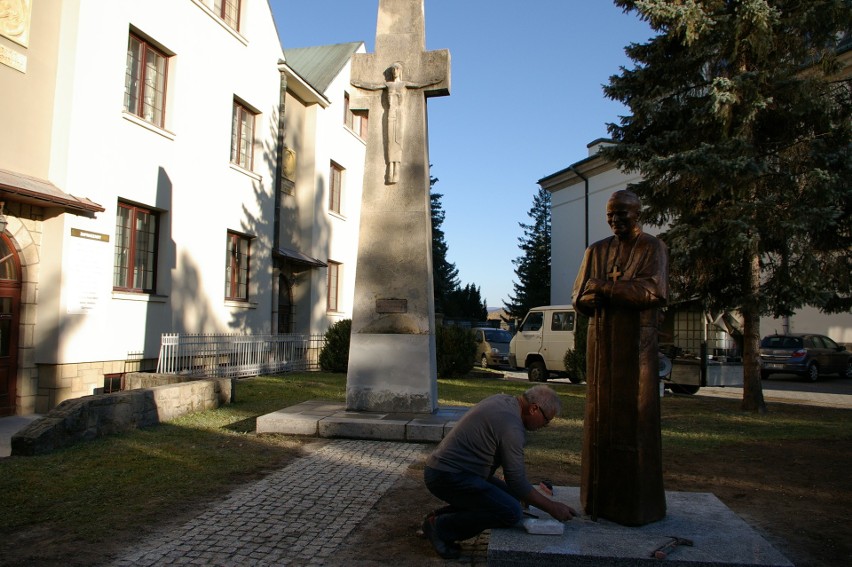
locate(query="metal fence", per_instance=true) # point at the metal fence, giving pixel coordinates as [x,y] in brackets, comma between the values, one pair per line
[237,356]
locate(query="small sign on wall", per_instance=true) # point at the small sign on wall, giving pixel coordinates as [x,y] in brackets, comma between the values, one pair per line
[13,59]
[87,271]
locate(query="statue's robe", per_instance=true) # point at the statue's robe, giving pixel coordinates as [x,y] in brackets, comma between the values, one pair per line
[622,472]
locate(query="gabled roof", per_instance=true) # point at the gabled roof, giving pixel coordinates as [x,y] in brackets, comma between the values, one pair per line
[321,64]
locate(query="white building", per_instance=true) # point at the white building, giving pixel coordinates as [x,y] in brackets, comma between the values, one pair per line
[147,190]
[578,205]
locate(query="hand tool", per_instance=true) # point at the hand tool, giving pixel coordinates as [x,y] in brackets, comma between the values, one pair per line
[663,551]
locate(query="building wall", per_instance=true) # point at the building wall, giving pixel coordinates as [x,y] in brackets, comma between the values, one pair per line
[70,129]
[345,148]
[28,97]
[299,137]
[318,134]
[568,219]
[838,326]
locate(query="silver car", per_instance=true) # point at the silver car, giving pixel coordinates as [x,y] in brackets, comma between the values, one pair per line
[492,346]
[805,354]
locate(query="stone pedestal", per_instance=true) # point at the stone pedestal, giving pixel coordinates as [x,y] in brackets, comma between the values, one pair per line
[719,538]
[392,372]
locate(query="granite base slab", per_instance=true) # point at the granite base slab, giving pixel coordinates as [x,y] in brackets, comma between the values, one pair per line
[332,420]
[719,538]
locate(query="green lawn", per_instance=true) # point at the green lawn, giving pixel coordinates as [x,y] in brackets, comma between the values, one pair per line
[128,480]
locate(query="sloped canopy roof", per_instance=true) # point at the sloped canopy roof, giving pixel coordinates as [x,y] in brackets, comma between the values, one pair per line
[321,64]
[42,193]
[298,257]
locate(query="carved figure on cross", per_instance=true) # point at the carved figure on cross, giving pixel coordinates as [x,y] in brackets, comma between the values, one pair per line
[395,124]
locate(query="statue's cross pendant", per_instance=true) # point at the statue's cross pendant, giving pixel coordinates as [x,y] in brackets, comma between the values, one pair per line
[615,274]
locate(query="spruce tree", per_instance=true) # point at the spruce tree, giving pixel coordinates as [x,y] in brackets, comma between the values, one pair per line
[444,273]
[741,126]
[466,303]
[532,288]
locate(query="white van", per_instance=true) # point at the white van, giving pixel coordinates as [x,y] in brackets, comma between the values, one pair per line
[547,333]
[542,340]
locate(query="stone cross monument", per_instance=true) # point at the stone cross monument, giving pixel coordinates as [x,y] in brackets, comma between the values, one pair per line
[392,352]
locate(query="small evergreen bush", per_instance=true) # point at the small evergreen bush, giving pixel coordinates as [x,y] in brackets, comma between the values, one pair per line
[334,356]
[455,349]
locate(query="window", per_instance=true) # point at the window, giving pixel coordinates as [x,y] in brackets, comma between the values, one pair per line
[237,273]
[229,11]
[335,181]
[135,266]
[333,285]
[8,264]
[533,322]
[145,81]
[354,120]
[562,321]
[242,136]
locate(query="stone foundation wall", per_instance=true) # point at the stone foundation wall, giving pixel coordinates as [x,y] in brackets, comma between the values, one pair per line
[57,383]
[90,417]
[136,380]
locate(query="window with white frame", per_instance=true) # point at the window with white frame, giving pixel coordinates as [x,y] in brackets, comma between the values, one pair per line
[135,265]
[145,81]
[242,136]
[335,189]
[334,272]
[238,256]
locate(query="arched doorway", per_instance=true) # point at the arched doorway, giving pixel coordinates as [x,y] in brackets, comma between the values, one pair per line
[10,304]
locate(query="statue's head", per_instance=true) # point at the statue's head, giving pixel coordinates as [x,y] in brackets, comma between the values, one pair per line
[622,213]
[394,72]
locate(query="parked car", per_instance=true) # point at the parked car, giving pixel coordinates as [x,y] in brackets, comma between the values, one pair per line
[492,346]
[805,354]
[542,339]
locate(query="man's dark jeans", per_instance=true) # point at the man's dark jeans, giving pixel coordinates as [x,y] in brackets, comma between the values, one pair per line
[475,504]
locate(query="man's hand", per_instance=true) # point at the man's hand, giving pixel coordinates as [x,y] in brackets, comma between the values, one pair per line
[560,511]
[556,509]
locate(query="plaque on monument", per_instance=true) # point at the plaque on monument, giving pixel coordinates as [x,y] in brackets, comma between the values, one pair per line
[391,306]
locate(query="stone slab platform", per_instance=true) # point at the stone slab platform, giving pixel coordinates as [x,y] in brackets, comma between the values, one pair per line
[330,419]
[720,537]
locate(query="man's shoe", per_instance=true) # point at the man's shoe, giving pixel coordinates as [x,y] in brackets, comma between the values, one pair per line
[447,550]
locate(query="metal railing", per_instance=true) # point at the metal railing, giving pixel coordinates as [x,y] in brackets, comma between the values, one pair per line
[237,356]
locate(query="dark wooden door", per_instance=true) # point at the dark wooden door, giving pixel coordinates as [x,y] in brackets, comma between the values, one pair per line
[10,303]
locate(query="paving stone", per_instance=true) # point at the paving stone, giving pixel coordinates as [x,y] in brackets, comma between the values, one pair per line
[283,519]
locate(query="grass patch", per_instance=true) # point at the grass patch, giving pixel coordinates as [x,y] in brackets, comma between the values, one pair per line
[700,424]
[124,482]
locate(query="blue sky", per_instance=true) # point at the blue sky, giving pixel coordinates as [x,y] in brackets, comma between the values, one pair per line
[526,99]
